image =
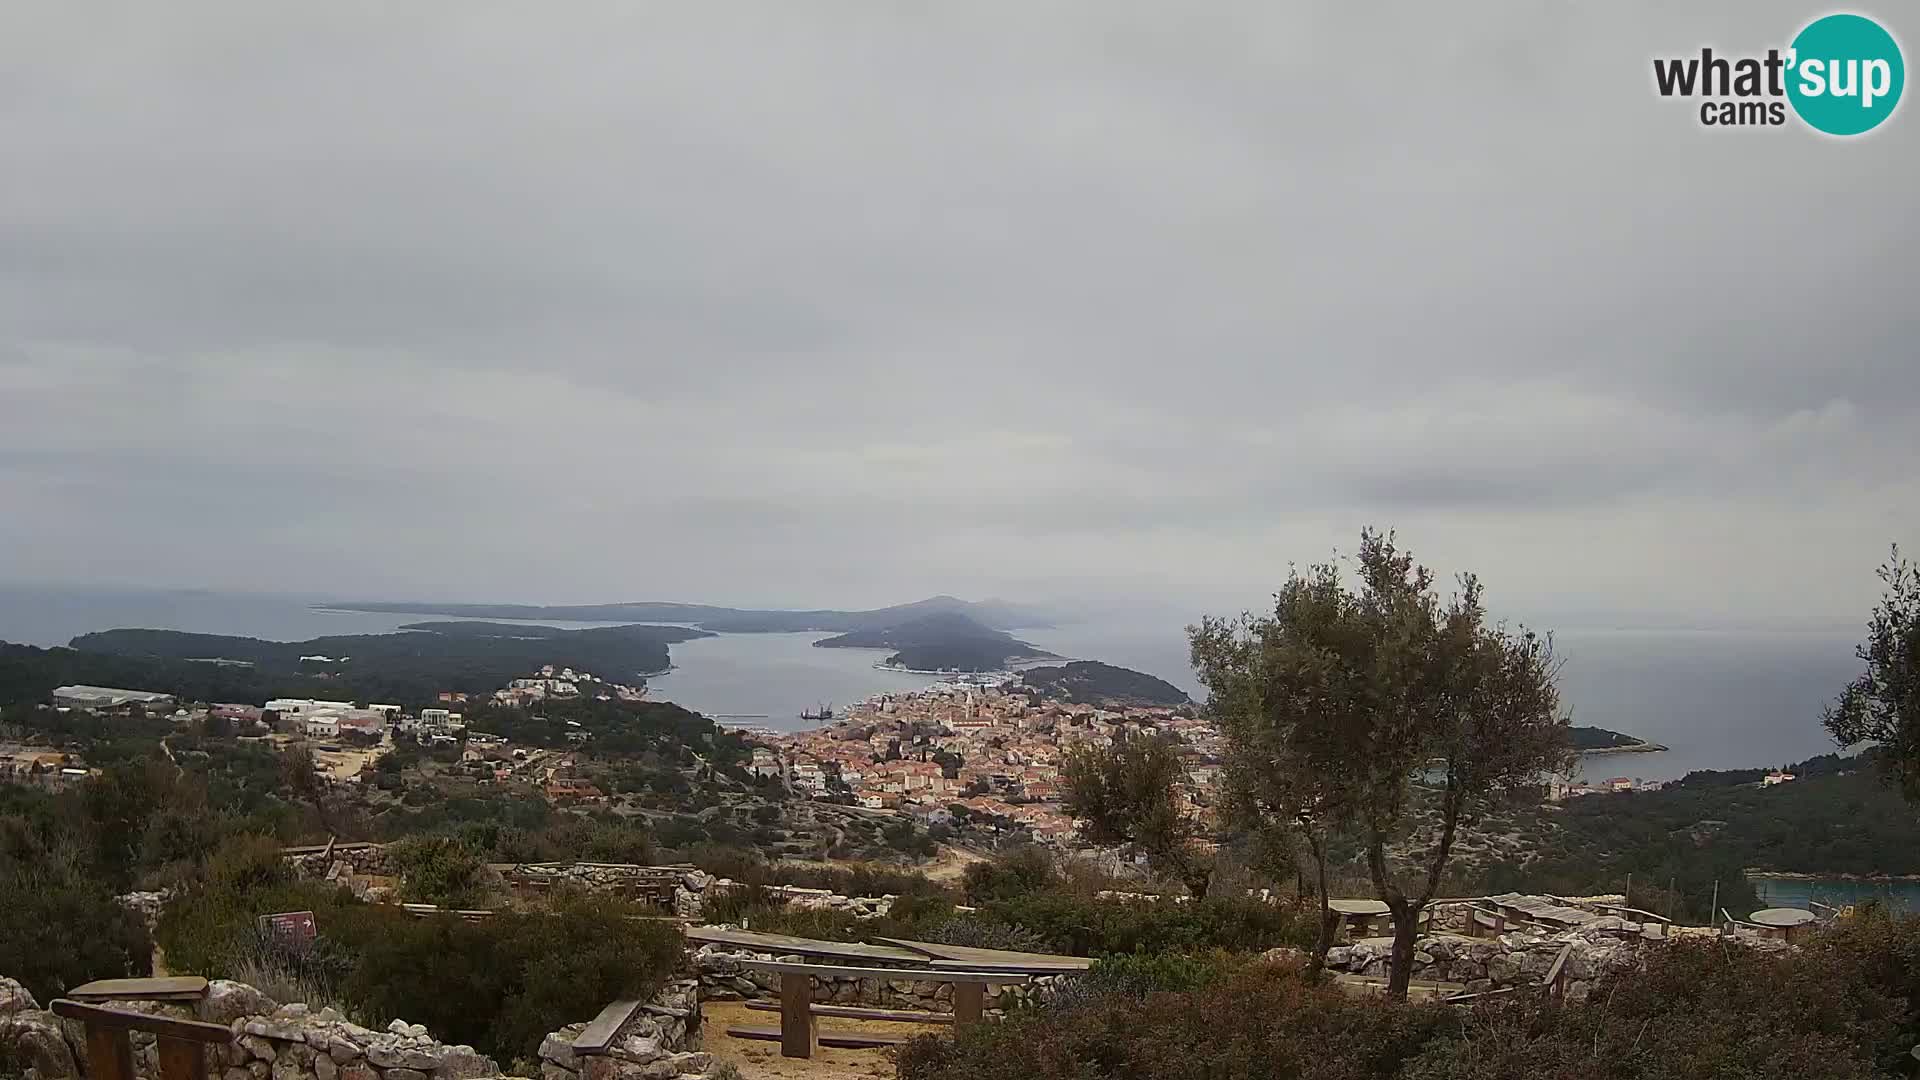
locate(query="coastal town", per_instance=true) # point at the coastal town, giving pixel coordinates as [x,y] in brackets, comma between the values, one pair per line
[980,748]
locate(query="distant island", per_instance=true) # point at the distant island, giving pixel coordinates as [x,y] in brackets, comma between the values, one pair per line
[996,614]
[941,641]
[1595,740]
[1104,684]
[410,667]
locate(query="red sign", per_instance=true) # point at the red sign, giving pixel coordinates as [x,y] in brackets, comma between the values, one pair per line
[294,928]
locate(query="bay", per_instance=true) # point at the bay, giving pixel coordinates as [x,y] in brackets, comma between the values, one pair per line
[1836,892]
[1718,698]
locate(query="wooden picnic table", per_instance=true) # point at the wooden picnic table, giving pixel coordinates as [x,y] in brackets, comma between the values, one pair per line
[799,946]
[965,958]
[171,988]
[799,1030]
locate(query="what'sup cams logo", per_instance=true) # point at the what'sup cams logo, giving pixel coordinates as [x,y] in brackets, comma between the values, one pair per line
[1842,75]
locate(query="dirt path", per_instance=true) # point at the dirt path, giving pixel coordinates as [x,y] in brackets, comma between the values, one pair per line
[759,1060]
[951,864]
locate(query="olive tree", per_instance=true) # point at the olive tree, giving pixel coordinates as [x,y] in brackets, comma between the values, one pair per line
[1278,790]
[1129,794]
[1883,704]
[1367,704]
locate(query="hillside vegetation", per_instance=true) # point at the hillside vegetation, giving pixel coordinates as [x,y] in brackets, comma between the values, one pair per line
[942,641]
[404,668]
[1103,684]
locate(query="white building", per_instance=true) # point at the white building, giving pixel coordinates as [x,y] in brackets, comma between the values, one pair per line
[434,722]
[322,725]
[106,697]
[303,707]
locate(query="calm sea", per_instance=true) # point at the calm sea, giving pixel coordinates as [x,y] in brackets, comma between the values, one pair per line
[1719,699]
[1835,892]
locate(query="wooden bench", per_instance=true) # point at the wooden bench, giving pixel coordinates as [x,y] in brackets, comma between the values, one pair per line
[180,1044]
[175,988]
[857,1012]
[799,1030]
[1492,920]
[599,1033]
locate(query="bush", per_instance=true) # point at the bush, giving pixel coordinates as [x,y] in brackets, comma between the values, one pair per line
[61,928]
[856,880]
[1090,927]
[1023,870]
[1700,1009]
[1265,1022]
[499,985]
[1140,974]
[974,932]
[504,983]
[440,870]
[1840,1009]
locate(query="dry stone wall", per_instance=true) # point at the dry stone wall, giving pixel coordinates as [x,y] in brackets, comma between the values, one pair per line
[1481,964]
[294,1042]
[660,1042]
[690,889]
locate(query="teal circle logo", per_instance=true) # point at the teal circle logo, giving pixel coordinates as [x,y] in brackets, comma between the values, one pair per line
[1845,74]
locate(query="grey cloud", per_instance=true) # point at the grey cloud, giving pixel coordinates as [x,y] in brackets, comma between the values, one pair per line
[848,303]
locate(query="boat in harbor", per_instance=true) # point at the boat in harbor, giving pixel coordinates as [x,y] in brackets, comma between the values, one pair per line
[822,714]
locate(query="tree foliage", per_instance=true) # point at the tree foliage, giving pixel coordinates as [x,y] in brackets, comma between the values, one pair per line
[1346,697]
[1130,794]
[1882,705]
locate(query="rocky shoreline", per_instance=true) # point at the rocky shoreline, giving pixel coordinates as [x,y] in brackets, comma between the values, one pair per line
[1642,747]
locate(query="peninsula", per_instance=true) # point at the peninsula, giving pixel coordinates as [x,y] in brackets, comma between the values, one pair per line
[1103,684]
[1596,740]
[941,641]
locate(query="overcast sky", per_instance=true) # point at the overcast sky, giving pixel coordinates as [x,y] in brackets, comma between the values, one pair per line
[849,303]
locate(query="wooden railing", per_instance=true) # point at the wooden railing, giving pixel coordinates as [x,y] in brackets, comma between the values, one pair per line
[181,1044]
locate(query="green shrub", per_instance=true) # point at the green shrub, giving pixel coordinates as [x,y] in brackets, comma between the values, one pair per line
[1017,873]
[975,932]
[1839,1009]
[500,984]
[1265,1022]
[1139,974]
[1091,927]
[440,870]
[504,983]
[60,928]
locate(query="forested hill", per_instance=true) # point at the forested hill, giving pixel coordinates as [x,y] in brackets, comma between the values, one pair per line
[944,641]
[408,668]
[1838,817]
[1103,684]
[998,614]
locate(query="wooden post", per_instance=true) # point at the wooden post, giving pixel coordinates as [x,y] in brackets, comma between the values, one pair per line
[109,1054]
[969,1003]
[182,1059]
[798,1029]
